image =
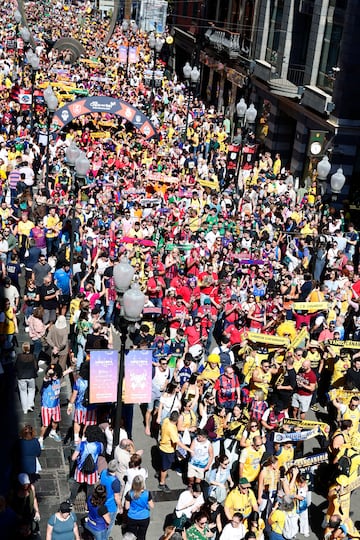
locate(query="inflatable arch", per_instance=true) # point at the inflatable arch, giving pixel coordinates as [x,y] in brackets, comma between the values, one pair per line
[104,104]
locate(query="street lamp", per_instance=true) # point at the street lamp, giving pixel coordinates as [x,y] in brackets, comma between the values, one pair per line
[192,76]
[34,62]
[241,109]
[131,301]
[18,19]
[128,28]
[52,103]
[79,166]
[337,181]
[155,44]
[250,116]
[323,168]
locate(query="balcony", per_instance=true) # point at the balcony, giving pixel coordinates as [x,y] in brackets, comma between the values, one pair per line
[226,42]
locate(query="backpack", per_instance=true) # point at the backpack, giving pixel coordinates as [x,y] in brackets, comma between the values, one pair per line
[86,399]
[89,466]
[344,464]
[225,359]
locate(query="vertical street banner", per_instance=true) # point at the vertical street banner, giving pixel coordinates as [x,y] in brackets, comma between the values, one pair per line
[138,376]
[104,376]
[123,53]
[133,55]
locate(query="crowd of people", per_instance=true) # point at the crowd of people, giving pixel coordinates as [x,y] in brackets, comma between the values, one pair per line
[252,302]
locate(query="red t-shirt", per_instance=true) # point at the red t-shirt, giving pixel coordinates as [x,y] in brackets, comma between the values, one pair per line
[310,377]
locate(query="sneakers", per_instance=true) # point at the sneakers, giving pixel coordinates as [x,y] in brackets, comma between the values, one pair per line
[40,370]
[55,436]
[164,488]
[41,442]
[41,362]
[27,329]
[315,408]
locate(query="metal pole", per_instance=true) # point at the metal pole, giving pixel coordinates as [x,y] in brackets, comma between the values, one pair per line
[127,58]
[47,147]
[118,415]
[33,74]
[72,233]
[187,113]
[153,73]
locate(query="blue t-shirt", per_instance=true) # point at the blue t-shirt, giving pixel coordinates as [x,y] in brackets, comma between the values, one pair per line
[112,484]
[62,280]
[50,394]
[139,508]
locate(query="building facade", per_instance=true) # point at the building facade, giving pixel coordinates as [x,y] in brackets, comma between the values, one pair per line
[296,60]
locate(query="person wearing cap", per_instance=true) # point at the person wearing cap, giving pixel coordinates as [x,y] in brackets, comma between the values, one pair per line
[241,499]
[211,371]
[63,524]
[24,501]
[109,480]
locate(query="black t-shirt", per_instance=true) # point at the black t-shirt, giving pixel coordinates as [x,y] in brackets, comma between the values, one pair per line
[47,290]
[353,378]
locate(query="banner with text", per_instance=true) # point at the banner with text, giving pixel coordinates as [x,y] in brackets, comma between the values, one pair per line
[103,376]
[138,376]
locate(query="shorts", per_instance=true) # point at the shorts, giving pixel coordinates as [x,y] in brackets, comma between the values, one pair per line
[154,403]
[50,413]
[64,299]
[301,402]
[85,417]
[195,472]
[167,460]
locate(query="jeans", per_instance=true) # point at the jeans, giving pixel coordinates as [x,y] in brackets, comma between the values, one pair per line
[98,535]
[37,347]
[109,318]
[27,393]
[111,524]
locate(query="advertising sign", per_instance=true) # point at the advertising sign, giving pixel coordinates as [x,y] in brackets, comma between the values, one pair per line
[103,376]
[138,376]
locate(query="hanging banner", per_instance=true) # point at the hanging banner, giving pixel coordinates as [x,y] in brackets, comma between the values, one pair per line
[106,105]
[296,436]
[316,306]
[308,462]
[138,376]
[307,424]
[348,344]
[303,334]
[342,395]
[133,55]
[267,339]
[123,53]
[103,376]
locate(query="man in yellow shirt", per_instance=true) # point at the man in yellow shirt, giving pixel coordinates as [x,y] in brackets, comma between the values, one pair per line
[169,440]
[53,226]
[23,230]
[250,458]
[241,499]
[350,412]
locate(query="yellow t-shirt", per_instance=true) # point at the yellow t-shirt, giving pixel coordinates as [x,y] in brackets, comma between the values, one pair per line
[278,521]
[52,223]
[286,454]
[251,458]
[24,227]
[239,502]
[169,437]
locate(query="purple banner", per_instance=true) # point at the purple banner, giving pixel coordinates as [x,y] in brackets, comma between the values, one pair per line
[103,376]
[138,376]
